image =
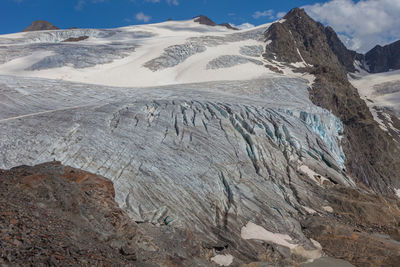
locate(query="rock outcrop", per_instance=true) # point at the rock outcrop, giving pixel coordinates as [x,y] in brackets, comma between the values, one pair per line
[75,39]
[52,215]
[204,20]
[363,229]
[40,25]
[372,157]
[229,26]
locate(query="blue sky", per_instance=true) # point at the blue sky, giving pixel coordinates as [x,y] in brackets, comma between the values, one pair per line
[361,24]
[15,15]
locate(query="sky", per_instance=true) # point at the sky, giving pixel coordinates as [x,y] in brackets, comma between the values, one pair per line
[361,24]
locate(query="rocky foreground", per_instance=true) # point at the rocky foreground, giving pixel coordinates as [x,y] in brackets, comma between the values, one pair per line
[60,216]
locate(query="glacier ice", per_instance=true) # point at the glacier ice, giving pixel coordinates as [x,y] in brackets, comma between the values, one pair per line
[181,155]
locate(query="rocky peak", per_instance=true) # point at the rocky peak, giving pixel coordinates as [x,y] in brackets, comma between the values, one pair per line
[40,25]
[299,38]
[382,59]
[204,20]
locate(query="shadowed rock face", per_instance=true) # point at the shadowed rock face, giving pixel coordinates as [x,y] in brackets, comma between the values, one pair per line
[372,156]
[382,59]
[345,56]
[40,25]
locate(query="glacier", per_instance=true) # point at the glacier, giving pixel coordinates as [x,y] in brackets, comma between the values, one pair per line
[185,119]
[203,155]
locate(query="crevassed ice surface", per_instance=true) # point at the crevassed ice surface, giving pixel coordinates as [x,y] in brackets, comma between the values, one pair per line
[185,155]
[211,148]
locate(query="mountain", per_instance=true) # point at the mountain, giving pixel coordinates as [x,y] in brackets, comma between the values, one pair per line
[248,147]
[370,151]
[382,59]
[40,25]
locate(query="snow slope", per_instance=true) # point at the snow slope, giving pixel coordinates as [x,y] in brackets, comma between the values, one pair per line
[381,93]
[146,55]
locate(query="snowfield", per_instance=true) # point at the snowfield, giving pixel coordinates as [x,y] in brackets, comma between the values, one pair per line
[145,55]
[381,93]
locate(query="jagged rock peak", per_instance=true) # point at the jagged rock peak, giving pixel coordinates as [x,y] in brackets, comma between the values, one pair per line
[204,20]
[382,59]
[301,39]
[40,25]
[296,12]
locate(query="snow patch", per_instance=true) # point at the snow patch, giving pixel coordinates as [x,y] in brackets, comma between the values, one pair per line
[223,260]
[397,191]
[328,209]
[368,86]
[319,179]
[309,210]
[256,232]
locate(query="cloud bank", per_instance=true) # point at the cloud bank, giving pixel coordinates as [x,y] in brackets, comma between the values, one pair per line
[361,25]
[142,17]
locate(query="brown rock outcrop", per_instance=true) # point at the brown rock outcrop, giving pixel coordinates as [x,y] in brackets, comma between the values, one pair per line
[77,39]
[40,25]
[362,229]
[52,215]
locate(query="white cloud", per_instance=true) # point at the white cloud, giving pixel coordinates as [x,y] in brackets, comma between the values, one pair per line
[173,2]
[280,15]
[81,3]
[267,13]
[169,2]
[142,17]
[363,24]
[243,26]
